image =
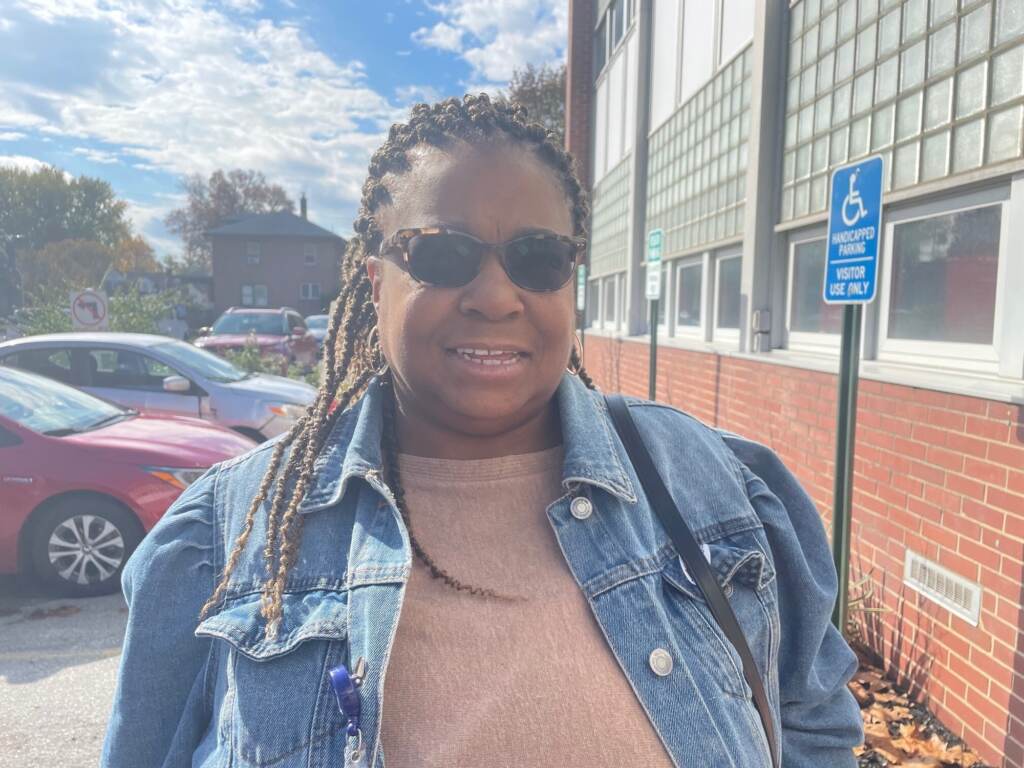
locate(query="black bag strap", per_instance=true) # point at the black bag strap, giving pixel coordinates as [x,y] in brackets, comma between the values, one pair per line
[689,550]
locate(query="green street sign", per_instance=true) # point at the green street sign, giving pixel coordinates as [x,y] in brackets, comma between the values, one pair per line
[654,238]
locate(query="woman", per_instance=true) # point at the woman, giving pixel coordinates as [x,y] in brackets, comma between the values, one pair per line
[453,472]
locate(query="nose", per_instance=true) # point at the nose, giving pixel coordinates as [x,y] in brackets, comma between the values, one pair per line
[491,295]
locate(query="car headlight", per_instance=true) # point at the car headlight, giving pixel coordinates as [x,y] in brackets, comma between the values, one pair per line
[289,411]
[176,476]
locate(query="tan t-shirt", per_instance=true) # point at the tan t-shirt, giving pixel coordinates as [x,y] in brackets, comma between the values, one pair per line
[478,683]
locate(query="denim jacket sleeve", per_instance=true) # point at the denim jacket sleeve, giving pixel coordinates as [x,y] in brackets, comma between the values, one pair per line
[160,710]
[821,721]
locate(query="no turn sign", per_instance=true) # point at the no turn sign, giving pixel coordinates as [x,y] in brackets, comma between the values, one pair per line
[89,311]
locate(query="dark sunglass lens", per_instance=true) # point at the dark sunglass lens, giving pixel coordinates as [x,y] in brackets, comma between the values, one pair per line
[540,263]
[445,260]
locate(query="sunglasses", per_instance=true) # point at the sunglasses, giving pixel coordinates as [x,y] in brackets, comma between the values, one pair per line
[447,258]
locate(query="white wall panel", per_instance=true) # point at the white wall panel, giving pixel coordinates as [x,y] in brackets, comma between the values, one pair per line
[601,131]
[616,104]
[665,59]
[698,46]
[632,76]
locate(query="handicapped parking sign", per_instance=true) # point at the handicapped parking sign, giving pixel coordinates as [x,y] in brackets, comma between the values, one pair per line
[854,228]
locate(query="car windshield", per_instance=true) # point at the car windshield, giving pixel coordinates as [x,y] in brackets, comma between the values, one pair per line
[201,362]
[51,408]
[246,322]
[316,322]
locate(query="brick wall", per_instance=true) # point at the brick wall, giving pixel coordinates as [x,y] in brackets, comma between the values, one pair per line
[941,474]
[282,269]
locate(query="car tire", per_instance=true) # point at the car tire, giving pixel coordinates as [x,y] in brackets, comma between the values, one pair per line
[78,547]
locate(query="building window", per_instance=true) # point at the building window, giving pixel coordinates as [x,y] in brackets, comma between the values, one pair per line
[254,295]
[593,315]
[600,46]
[309,291]
[727,297]
[689,293]
[609,303]
[309,254]
[618,16]
[811,320]
[252,252]
[944,277]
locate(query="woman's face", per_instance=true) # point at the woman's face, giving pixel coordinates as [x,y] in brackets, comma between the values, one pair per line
[494,193]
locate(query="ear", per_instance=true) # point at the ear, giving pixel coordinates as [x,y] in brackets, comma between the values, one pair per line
[375,271]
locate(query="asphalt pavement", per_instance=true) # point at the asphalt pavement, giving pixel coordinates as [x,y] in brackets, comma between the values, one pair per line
[58,667]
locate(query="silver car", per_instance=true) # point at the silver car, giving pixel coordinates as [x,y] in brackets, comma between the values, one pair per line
[161,375]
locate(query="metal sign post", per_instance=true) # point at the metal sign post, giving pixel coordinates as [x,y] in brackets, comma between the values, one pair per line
[654,238]
[854,229]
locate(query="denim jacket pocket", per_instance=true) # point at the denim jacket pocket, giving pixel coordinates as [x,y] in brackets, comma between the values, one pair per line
[745,575]
[277,698]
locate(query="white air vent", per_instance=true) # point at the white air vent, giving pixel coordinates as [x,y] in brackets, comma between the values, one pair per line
[954,592]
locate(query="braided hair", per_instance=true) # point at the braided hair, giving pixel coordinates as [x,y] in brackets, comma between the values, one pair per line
[352,352]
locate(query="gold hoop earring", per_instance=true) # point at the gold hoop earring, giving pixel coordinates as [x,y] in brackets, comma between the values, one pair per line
[574,367]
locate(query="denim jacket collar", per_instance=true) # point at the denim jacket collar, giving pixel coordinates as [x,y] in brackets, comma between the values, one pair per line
[352,449]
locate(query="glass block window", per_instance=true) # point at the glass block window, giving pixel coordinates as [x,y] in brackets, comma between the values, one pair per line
[944,277]
[609,238]
[936,87]
[698,162]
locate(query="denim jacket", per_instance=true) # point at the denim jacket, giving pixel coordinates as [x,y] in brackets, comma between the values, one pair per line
[218,693]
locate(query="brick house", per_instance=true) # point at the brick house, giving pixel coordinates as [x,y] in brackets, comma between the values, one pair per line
[719,122]
[274,260]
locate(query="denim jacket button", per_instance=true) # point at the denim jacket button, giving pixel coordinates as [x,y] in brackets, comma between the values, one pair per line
[581,507]
[660,661]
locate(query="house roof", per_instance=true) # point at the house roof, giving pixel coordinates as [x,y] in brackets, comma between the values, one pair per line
[278,224]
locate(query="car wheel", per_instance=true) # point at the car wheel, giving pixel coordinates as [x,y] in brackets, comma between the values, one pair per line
[80,545]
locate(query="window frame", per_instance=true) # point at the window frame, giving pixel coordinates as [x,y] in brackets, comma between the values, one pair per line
[665,304]
[253,256]
[806,341]
[310,297]
[252,293]
[309,254]
[718,333]
[977,358]
[694,332]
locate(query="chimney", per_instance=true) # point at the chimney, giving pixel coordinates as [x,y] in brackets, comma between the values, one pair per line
[302,205]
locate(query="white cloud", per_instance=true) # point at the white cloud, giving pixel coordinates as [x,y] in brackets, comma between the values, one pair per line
[441,36]
[242,6]
[147,219]
[410,94]
[188,89]
[96,155]
[24,162]
[497,36]
[11,135]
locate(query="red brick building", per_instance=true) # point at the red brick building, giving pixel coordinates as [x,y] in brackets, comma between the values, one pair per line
[719,123]
[275,260]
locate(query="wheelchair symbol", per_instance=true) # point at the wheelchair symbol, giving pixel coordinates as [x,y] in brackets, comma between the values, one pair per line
[853,201]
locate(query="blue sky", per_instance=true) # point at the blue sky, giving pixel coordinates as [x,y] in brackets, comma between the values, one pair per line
[141,92]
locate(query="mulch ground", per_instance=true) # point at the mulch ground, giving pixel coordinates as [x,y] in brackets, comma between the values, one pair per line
[900,732]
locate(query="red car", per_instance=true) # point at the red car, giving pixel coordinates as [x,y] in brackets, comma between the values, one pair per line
[280,331]
[82,479]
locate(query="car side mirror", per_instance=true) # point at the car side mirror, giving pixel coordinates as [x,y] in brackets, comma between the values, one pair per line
[205,330]
[177,384]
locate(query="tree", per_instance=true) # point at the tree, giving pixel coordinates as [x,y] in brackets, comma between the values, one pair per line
[134,254]
[211,201]
[46,205]
[64,265]
[542,91]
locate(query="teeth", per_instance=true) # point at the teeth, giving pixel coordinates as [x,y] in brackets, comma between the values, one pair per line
[485,352]
[472,357]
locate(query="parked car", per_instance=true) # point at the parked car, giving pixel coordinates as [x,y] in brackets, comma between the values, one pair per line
[279,331]
[317,325]
[82,479]
[161,375]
